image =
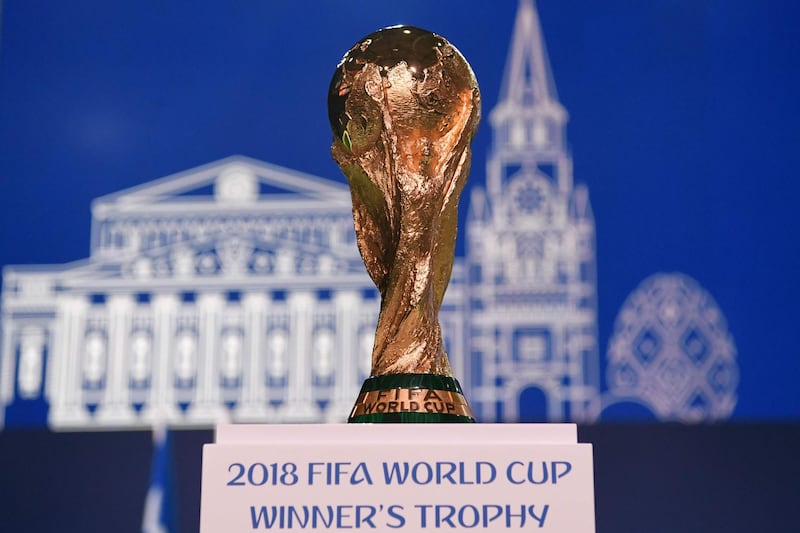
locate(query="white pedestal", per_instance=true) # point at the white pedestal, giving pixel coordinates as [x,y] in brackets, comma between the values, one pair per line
[397,477]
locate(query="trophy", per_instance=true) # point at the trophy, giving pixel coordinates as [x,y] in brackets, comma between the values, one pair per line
[403,106]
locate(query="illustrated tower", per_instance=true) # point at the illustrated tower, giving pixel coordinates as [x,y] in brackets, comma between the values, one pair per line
[531,253]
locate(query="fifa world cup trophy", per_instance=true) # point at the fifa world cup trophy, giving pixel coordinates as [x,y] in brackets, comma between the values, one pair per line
[404,105]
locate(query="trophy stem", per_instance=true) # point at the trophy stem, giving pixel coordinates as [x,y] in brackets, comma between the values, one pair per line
[411,398]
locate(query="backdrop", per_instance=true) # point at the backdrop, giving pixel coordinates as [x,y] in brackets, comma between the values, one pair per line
[682,125]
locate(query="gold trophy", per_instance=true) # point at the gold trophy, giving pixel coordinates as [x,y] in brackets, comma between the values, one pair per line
[404,105]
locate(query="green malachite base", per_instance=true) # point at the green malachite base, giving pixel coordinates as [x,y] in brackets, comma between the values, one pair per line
[411,398]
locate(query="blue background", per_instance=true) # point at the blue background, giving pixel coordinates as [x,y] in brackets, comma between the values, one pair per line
[683,125]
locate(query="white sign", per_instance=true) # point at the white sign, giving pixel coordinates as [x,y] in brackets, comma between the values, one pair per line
[397,477]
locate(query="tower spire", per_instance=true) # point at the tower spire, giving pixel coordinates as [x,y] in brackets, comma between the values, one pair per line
[528,84]
[530,251]
[528,122]
[527,80]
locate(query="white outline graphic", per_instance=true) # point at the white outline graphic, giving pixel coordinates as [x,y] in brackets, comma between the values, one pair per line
[671,352]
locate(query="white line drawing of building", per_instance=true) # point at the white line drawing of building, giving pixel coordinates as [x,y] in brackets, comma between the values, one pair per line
[235,290]
[531,253]
[251,303]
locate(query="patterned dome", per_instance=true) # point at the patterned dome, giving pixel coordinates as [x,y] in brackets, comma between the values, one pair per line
[672,350]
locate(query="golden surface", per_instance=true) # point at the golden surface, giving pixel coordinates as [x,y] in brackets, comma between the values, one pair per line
[411,401]
[404,105]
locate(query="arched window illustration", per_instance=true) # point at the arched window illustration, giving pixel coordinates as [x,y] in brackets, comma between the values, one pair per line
[231,361]
[323,353]
[94,360]
[31,363]
[278,343]
[185,358]
[141,357]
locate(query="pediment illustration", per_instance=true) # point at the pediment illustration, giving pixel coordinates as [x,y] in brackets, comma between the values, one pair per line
[234,181]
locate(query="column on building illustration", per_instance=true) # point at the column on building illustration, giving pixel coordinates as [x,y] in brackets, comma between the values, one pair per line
[299,392]
[254,401]
[323,334]
[114,405]
[277,356]
[530,253]
[231,352]
[140,364]
[209,310]
[65,381]
[162,406]
[184,365]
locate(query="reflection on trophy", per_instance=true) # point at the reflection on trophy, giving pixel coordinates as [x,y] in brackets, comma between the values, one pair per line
[404,105]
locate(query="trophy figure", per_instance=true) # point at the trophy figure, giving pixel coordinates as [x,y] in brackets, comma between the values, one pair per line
[404,105]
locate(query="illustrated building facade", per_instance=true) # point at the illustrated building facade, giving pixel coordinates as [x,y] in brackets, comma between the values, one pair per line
[236,291]
[531,253]
[250,303]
